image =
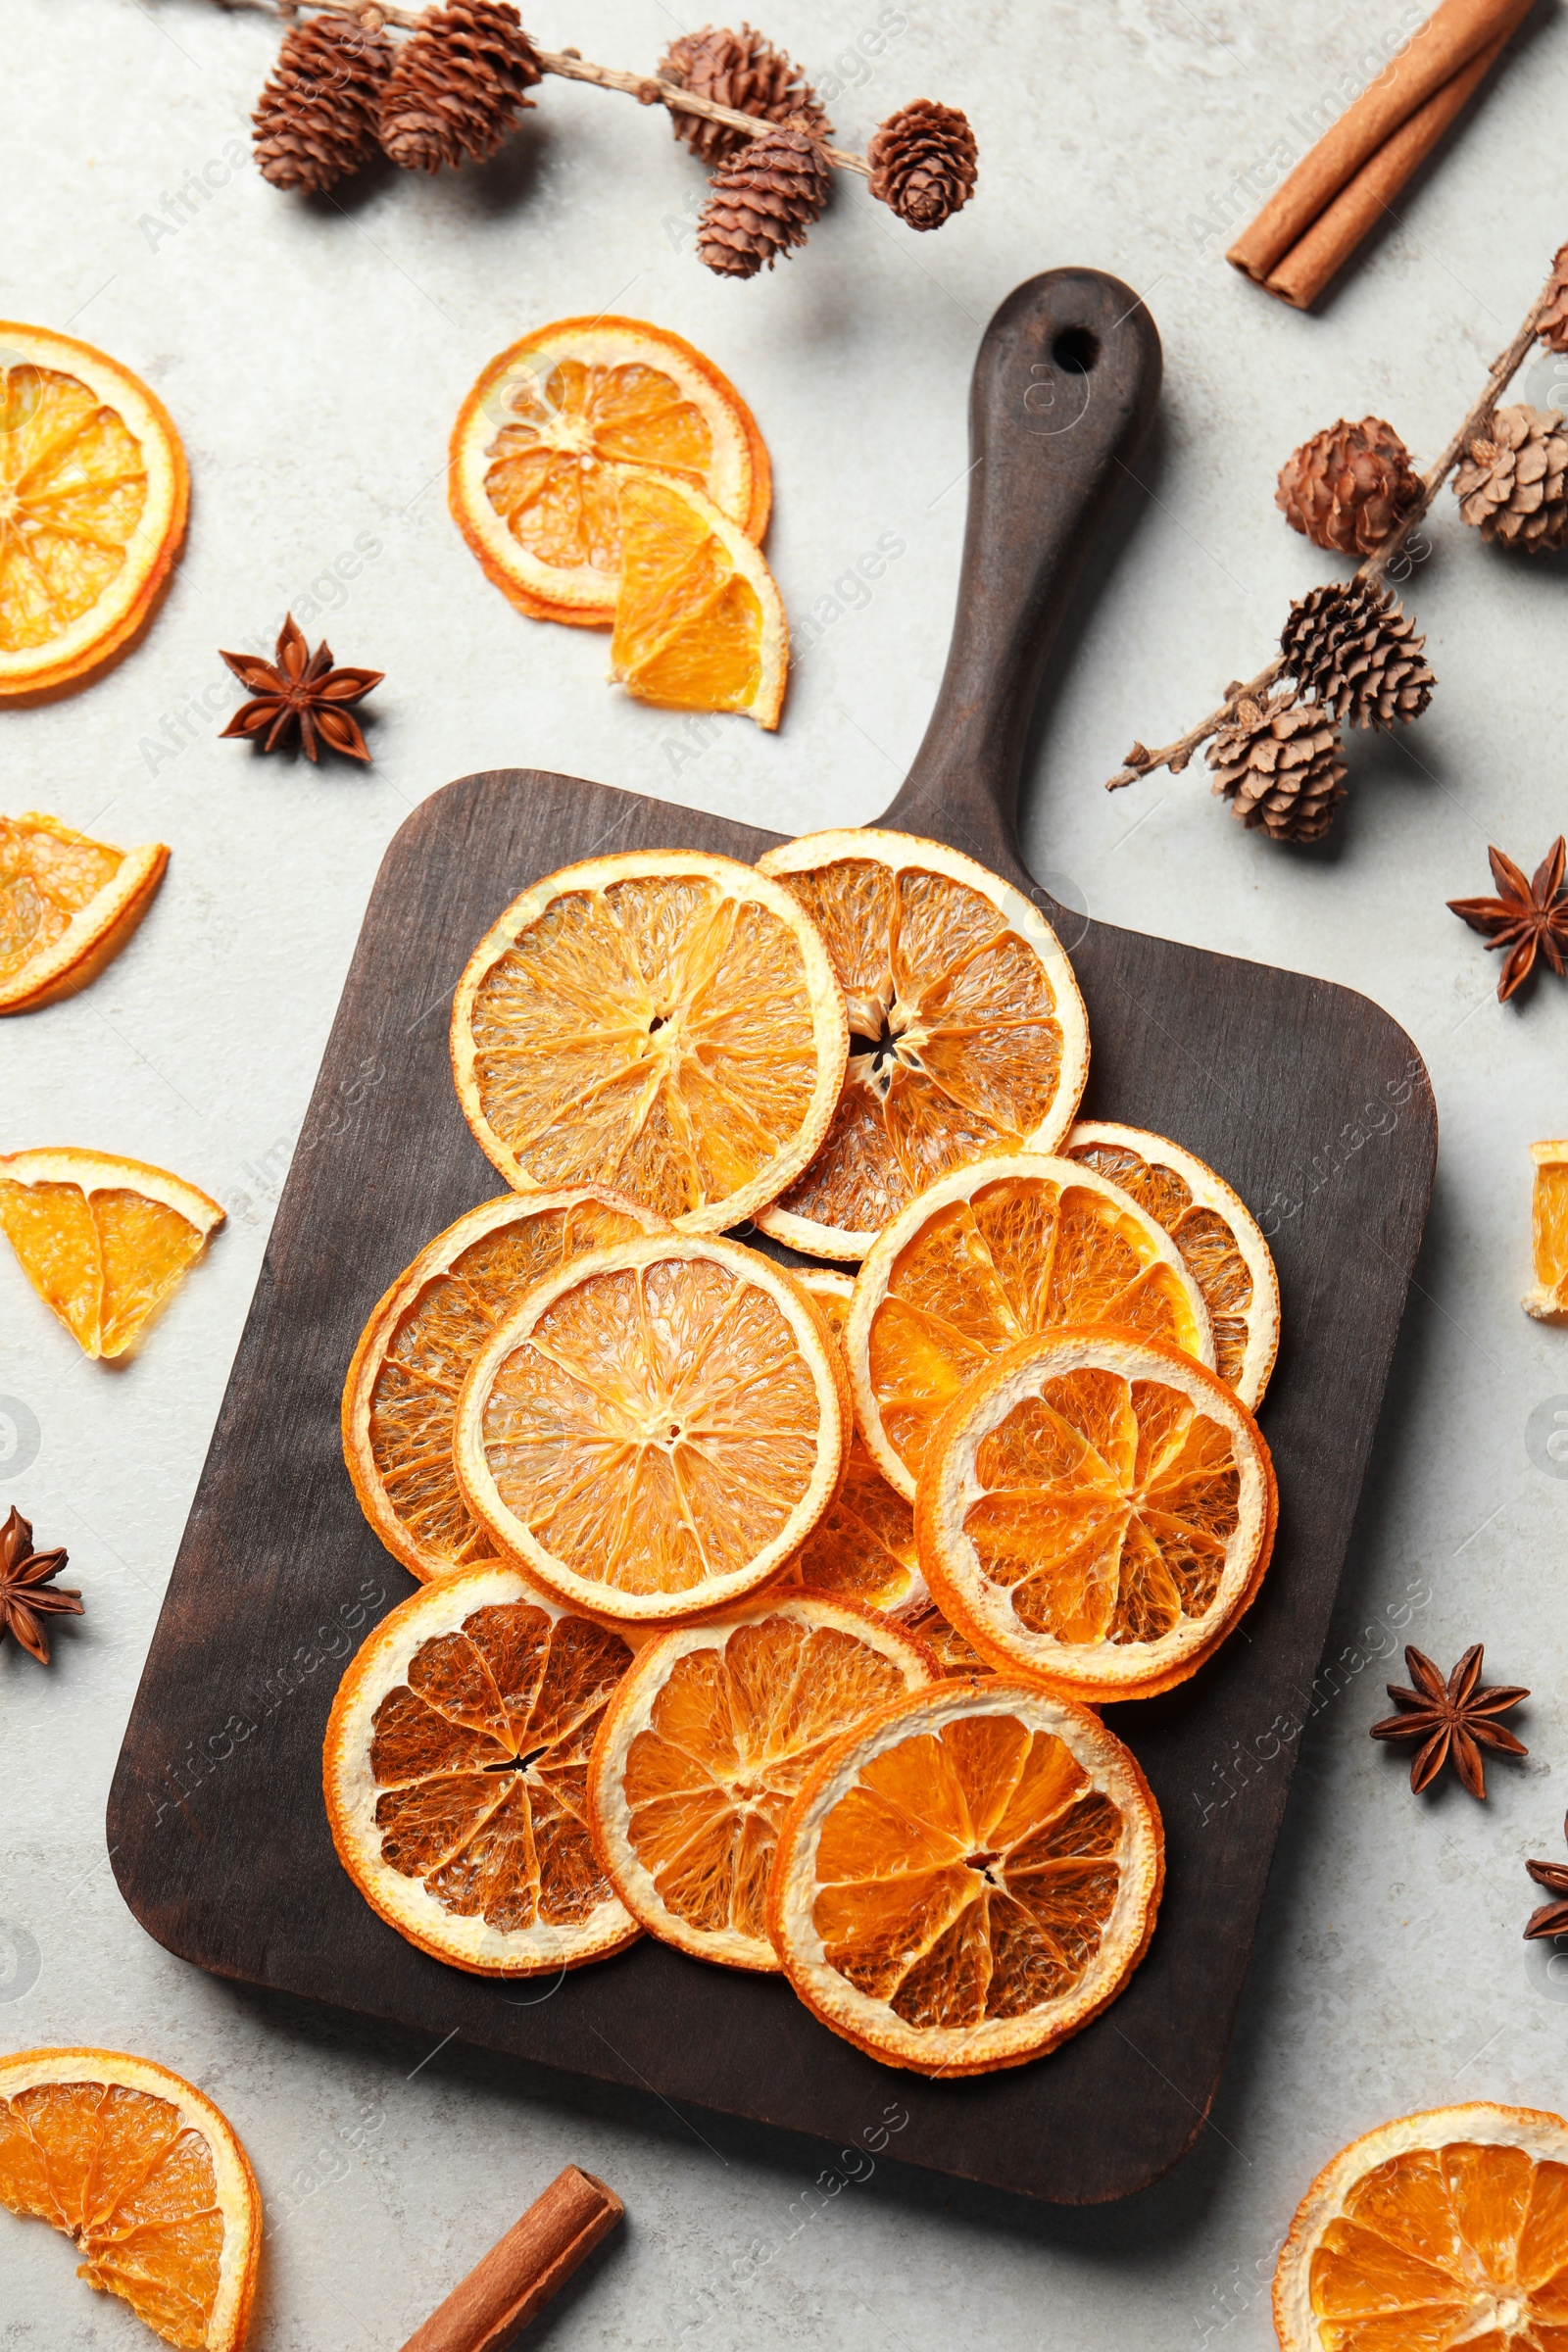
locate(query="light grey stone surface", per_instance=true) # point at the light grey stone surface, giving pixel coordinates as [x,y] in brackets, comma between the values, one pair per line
[314,358]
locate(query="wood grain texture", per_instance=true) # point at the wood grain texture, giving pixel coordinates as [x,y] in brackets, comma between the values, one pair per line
[1310,1101]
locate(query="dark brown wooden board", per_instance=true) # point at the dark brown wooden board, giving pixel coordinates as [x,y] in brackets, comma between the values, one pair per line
[1307,1097]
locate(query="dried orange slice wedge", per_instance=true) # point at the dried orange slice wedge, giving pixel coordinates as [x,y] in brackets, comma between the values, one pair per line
[951,1653]
[1215,1232]
[105,1242]
[967,1878]
[706,1742]
[455,1771]
[147,2177]
[1443,2229]
[68,906]
[862,1548]
[968,1034]
[666,1022]
[401,1394]
[1549,1300]
[982,1259]
[1096,1512]
[656,1429]
[93,492]
[700,623]
[559,421]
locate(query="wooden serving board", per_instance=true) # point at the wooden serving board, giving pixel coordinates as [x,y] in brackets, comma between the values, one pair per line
[1307,1097]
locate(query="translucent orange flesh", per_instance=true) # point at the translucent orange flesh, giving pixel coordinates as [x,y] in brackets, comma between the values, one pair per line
[482,1760]
[656,1036]
[658,1428]
[957,1050]
[45,878]
[952,1653]
[1551,1228]
[1462,2245]
[688,626]
[1107,1508]
[72,485]
[115,2170]
[967,1876]
[1024,1255]
[862,1548]
[730,1738]
[414,1401]
[105,1261]
[1202,1236]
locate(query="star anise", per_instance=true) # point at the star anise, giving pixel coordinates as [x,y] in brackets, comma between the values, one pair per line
[1453,1720]
[301,694]
[28,1594]
[1551,1919]
[1526,916]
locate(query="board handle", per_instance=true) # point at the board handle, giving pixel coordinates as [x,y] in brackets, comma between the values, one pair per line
[1064,391]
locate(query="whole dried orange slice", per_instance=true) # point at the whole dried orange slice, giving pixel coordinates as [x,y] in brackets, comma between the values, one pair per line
[863,1547]
[666,1022]
[968,1034]
[401,1394]
[980,1260]
[1548,1300]
[559,421]
[700,623]
[105,1242]
[706,1742]
[1215,1232]
[68,905]
[1439,2229]
[968,1877]
[455,1771]
[147,2177]
[656,1429]
[93,492]
[1096,1512]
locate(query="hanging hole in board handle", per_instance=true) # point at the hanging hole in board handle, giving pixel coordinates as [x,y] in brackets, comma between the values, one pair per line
[1076,351]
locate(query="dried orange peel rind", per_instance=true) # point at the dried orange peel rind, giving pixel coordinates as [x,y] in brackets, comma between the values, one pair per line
[700,624]
[1449,2227]
[1548,1300]
[946,1864]
[105,1242]
[149,2179]
[93,498]
[68,905]
[704,1745]
[454,1773]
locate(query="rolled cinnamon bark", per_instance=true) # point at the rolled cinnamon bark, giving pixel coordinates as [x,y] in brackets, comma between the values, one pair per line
[524,2269]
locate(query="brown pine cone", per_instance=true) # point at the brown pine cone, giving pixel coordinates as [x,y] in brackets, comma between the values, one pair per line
[1553,324]
[1513,484]
[460,82]
[923,162]
[1279,764]
[316,121]
[1354,653]
[1347,488]
[763,201]
[744,71]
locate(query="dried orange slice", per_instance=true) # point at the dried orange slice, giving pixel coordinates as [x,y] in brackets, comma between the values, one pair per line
[147,2177]
[967,1878]
[656,1429]
[982,1259]
[863,1547]
[951,1653]
[93,492]
[105,1242]
[1215,1232]
[68,905]
[1549,1300]
[666,1022]
[401,1394]
[1096,1512]
[1443,2229]
[455,1767]
[968,1033]
[706,1742]
[700,623]
[559,421]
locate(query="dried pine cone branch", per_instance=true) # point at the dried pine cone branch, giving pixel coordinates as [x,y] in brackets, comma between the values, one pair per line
[1347,488]
[763,202]
[459,86]
[1514,483]
[923,162]
[1354,653]
[739,69]
[1553,324]
[1279,765]
[315,120]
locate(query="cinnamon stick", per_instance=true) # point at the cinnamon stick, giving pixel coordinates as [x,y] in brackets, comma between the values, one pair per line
[524,2269]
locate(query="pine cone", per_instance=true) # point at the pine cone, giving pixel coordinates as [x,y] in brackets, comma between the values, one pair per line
[763,201]
[1513,485]
[460,82]
[316,121]
[1355,655]
[744,71]
[1280,764]
[1348,487]
[923,162]
[1553,324]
